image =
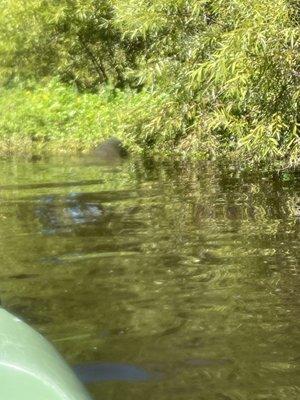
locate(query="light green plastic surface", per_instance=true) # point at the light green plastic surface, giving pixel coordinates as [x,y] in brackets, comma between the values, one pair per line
[30,367]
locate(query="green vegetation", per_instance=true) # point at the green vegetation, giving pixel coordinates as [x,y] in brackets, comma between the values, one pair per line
[57,117]
[203,78]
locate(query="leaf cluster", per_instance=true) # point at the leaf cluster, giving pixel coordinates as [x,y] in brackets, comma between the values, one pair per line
[220,78]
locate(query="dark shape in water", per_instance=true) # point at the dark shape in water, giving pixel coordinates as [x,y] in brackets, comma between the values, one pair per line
[111,150]
[99,372]
[22,276]
[63,214]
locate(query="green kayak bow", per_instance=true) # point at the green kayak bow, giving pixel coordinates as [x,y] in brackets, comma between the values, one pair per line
[30,367]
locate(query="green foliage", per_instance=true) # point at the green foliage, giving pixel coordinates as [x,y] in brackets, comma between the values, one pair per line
[73,39]
[231,69]
[59,118]
[219,78]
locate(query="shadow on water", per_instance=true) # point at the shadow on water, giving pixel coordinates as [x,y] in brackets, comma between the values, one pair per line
[188,274]
[49,185]
[99,372]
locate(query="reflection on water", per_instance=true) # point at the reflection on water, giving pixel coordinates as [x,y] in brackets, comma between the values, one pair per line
[189,273]
[60,215]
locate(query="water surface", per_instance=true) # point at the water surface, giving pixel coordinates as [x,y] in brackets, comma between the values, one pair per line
[186,275]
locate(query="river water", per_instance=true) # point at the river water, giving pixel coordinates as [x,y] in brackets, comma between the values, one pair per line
[157,280]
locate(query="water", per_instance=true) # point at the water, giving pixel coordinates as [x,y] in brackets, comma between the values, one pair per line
[170,281]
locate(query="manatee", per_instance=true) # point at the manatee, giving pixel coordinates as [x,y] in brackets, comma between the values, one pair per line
[111,150]
[93,372]
[99,372]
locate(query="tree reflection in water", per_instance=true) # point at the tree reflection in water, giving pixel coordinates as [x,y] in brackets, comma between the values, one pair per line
[156,264]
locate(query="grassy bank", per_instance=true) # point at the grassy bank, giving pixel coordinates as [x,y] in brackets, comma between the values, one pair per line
[56,118]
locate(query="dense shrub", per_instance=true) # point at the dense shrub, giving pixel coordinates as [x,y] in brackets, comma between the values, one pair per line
[231,70]
[217,78]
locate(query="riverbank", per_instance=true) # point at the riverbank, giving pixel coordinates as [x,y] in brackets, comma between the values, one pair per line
[198,80]
[55,118]
[58,119]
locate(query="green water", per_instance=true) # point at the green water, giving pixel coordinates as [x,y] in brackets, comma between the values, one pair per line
[189,272]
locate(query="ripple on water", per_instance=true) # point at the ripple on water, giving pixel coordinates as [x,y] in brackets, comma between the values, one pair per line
[188,272]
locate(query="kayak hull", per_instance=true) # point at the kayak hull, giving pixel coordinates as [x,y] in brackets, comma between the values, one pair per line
[30,367]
